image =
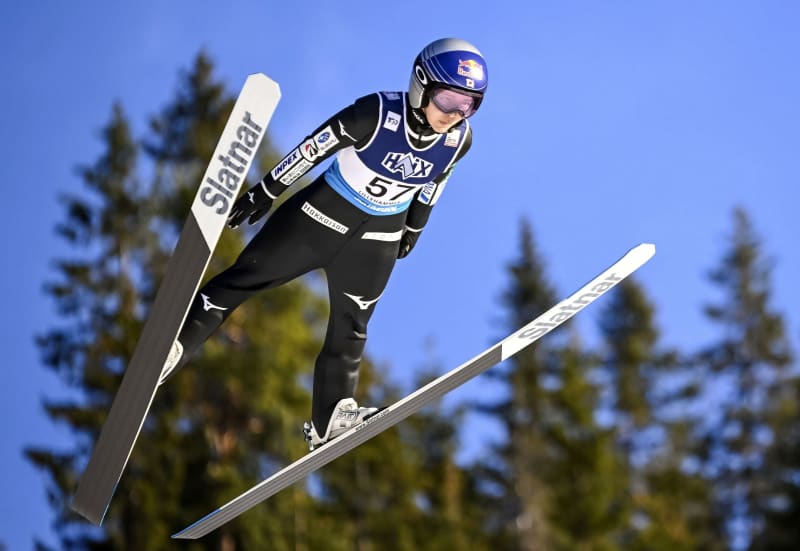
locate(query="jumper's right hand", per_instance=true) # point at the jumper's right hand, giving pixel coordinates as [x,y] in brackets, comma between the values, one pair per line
[407,241]
[253,205]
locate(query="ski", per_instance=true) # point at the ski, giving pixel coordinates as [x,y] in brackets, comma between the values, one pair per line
[223,178]
[412,403]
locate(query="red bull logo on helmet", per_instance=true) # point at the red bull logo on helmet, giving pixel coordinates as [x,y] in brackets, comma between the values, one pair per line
[470,68]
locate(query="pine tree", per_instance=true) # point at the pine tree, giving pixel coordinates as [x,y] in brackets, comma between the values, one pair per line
[586,476]
[98,293]
[555,482]
[670,506]
[366,496]
[630,337]
[515,495]
[779,499]
[401,490]
[446,495]
[229,416]
[747,367]
[445,491]
[246,392]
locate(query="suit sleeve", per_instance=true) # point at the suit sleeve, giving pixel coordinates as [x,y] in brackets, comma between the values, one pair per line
[353,125]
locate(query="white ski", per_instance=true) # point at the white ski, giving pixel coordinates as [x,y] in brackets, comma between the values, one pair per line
[227,169]
[415,401]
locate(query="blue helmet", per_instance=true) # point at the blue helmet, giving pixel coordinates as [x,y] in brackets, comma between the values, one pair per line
[449,63]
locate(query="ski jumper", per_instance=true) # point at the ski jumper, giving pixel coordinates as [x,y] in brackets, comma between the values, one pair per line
[389,171]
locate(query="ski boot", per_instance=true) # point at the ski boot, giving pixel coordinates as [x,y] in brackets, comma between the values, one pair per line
[173,358]
[346,415]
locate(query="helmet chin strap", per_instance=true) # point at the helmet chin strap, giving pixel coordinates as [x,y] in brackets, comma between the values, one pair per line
[418,122]
[419,116]
[421,126]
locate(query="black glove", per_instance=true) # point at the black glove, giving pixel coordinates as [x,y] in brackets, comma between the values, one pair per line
[408,241]
[255,203]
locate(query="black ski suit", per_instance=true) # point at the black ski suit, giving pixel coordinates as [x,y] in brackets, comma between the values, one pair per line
[353,222]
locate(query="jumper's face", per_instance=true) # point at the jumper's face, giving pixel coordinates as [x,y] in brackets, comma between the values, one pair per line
[440,121]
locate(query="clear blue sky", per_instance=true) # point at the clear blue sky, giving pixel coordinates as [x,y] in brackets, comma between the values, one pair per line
[606,124]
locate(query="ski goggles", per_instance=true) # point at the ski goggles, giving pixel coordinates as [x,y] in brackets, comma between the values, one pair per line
[450,101]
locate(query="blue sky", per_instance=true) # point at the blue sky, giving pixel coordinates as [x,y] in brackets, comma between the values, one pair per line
[606,124]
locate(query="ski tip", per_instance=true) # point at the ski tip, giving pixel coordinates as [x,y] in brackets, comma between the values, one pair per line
[266,82]
[644,251]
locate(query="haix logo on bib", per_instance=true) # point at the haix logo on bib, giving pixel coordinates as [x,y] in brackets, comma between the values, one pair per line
[218,193]
[407,165]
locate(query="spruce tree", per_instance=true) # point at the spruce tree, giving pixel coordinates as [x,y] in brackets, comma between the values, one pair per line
[230,416]
[401,490]
[747,367]
[630,361]
[98,294]
[669,506]
[587,478]
[779,498]
[246,395]
[445,491]
[516,497]
[555,482]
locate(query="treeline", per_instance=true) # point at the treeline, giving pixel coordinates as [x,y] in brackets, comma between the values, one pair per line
[627,445]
